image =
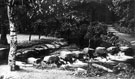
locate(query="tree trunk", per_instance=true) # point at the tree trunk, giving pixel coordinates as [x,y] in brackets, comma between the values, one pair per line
[13,36]
[30,36]
[39,36]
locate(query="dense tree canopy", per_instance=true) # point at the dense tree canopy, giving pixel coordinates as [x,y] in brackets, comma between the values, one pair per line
[124,9]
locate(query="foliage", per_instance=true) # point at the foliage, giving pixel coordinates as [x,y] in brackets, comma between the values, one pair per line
[124,9]
[70,19]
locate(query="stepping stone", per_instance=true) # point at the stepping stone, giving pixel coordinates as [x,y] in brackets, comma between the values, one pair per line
[28,51]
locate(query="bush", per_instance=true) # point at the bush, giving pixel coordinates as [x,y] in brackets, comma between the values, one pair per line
[81,34]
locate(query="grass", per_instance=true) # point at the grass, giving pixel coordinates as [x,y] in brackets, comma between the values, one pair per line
[27,44]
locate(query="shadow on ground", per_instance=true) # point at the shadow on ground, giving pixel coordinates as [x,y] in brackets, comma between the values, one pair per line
[4,56]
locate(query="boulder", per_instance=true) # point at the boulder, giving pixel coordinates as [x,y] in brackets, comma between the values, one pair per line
[51,59]
[100,51]
[123,48]
[86,50]
[113,50]
[89,51]
[68,56]
[80,55]
[32,60]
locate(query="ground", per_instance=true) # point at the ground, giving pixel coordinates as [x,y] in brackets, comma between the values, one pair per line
[127,37]
[32,73]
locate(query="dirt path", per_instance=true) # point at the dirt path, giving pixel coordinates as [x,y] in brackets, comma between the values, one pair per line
[124,36]
[127,37]
[32,73]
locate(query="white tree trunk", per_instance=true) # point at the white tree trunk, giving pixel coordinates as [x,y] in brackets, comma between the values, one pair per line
[13,36]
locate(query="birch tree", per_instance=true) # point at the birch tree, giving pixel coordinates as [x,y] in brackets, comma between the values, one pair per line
[12,17]
[13,35]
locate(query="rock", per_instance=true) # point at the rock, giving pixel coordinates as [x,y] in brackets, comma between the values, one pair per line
[113,50]
[120,57]
[32,60]
[81,70]
[127,50]
[50,46]
[39,49]
[44,47]
[51,59]
[79,64]
[89,51]
[19,63]
[18,54]
[80,55]
[86,50]
[61,62]
[102,67]
[65,66]
[77,53]
[62,43]
[28,51]
[101,51]
[68,56]
[123,48]
[57,45]
[64,53]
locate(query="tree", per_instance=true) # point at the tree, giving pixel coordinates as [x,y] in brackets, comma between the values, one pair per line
[124,9]
[12,6]
[13,35]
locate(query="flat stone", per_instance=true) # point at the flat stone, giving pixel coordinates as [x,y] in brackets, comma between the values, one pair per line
[57,45]
[80,70]
[44,47]
[27,51]
[17,54]
[39,49]
[62,43]
[50,46]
